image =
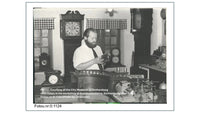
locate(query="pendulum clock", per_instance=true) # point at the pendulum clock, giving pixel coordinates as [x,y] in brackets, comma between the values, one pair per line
[141,28]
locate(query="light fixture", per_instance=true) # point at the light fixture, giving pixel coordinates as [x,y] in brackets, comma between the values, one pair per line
[110,11]
[107,30]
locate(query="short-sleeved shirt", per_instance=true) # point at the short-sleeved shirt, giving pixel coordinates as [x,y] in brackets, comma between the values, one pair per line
[84,53]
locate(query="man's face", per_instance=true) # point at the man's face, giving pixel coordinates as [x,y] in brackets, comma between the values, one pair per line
[91,40]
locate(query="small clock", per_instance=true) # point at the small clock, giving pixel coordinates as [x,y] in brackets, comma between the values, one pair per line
[115,52]
[44,62]
[115,60]
[53,78]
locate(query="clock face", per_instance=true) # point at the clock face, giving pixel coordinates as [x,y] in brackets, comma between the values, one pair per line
[72,29]
[115,52]
[44,62]
[53,79]
[115,59]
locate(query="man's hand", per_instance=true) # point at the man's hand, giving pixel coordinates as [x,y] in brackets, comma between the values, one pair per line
[98,60]
[87,64]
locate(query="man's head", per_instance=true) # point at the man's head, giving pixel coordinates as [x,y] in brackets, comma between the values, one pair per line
[90,37]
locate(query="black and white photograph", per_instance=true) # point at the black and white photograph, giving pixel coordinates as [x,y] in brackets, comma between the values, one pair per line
[112,54]
[99,56]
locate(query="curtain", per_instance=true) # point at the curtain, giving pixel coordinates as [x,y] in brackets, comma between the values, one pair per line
[43,23]
[106,23]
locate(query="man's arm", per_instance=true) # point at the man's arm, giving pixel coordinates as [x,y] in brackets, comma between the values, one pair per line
[89,63]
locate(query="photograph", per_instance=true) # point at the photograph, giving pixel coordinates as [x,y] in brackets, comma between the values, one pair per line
[120,55]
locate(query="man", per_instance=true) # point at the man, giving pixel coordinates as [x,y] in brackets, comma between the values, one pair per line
[88,55]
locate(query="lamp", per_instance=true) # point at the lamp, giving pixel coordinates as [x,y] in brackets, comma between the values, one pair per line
[110,11]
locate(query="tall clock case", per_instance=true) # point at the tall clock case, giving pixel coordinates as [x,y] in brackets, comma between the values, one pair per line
[71,29]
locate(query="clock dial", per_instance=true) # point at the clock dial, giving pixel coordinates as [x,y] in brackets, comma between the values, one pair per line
[72,29]
[53,79]
[115,59]
[115,52]
[44,62]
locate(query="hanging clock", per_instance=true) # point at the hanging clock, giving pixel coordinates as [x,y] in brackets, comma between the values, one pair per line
[71,25]
[115,52]
[115,60]
[115,57]
[53,78]
[44,62]
[163,14]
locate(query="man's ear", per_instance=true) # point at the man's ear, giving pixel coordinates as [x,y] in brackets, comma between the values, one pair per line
[85,38]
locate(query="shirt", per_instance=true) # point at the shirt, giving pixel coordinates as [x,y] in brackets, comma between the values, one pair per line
[84,53]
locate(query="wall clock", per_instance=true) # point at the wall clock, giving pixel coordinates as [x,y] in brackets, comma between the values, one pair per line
[163,14]
[115,57]
[115,52]
[71,25]
[115,60]
[44,62]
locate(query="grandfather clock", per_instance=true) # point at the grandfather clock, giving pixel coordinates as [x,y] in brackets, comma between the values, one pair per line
[141,28]
[71,28]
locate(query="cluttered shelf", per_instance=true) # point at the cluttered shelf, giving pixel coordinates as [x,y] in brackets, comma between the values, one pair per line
[153,67]
[64,97]
[102,87]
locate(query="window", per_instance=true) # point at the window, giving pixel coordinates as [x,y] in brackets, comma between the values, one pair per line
[109,39]
[108,31]
[42,44]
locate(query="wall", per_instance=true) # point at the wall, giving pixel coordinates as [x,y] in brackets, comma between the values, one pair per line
[157,29]
[127,39]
